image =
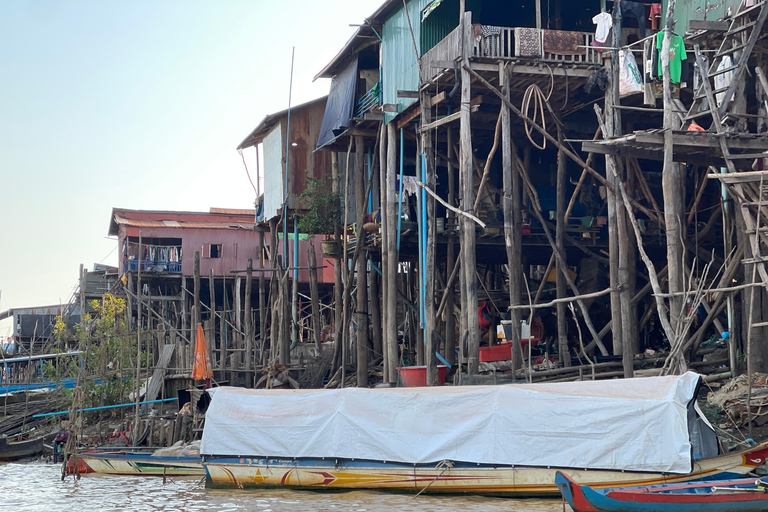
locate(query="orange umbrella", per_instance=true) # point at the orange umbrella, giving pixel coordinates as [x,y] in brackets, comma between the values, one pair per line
[201,370]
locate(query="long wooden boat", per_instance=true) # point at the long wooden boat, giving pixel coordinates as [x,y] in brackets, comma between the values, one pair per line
[742,495]
[15,448]
[493,440]
[453,478]
[134,464]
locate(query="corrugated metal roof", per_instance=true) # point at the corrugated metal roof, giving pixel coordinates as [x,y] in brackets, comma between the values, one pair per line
[181,224]
[362,32]
[234,211]
[217,218]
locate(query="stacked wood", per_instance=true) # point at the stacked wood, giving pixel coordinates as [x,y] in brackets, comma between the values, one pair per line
[732,399]
[19,417]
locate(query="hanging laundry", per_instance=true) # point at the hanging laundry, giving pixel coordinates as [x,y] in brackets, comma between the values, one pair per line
[490,40]
[527,42]
[676,56]
[723,80]
[563,42]
[604,24]
[649,98]
[634,10]
[696,76]
[655,16]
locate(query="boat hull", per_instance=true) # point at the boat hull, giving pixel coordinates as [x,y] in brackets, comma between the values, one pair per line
[450,478]
[18,450]
[696,497]
[135,464]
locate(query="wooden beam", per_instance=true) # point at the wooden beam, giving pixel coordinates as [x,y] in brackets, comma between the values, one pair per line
[717,26]
[445,120]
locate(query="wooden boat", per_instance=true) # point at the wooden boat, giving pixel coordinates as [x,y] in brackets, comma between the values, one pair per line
[451,478]
[742,495]
[17,447]
[489,440]
[134,464]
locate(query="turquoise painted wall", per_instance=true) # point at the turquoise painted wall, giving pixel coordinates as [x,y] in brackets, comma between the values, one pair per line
[400,69]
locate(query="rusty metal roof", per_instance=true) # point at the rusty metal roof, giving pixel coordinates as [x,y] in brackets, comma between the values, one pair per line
[217,218]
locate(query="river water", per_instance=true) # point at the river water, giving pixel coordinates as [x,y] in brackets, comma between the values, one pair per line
[37,486]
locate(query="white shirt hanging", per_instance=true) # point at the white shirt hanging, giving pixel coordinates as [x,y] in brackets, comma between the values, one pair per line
[604,23]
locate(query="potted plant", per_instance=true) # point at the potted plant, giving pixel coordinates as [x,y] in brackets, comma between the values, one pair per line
[323,213]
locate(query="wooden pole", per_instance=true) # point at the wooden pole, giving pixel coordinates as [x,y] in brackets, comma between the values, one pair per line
[384,203]
[249,377]
[612,200]
[468,256]
[212,330]
[262,302]
[512,219]
[450,260]
[430,340]
[137,384]
[390,281]
[673,188]
[314,294]
[362,264]
[338,289]
[562,268]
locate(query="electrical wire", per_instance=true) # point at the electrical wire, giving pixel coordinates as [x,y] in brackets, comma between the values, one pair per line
[248,173]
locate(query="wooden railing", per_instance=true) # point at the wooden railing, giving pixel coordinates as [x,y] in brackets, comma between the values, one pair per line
[501,46]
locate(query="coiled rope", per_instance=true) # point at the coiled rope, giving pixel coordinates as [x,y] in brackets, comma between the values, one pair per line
[534,96]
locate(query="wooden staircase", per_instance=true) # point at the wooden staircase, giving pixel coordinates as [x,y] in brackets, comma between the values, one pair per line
[737,45]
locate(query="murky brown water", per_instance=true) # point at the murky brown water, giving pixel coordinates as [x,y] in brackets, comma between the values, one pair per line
[38,487]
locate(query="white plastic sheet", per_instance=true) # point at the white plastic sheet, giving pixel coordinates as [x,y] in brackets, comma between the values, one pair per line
[625,424]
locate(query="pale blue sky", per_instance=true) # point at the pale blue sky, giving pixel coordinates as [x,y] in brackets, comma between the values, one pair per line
[137,104]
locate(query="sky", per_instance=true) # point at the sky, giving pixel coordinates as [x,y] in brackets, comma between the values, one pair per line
[138,104]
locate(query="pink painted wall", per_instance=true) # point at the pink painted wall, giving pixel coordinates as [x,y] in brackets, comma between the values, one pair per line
[237,246]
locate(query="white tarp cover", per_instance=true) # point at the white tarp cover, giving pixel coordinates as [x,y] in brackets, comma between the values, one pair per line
[624,424]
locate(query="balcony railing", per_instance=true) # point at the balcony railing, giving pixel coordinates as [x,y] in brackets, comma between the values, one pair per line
[368,101]
[170,267]
[500,44]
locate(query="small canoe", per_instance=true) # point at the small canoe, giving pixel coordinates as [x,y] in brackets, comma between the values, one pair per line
[14,448]
[134,464]
[741,495]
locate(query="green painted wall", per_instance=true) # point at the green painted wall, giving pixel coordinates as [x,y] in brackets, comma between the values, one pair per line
[711,10]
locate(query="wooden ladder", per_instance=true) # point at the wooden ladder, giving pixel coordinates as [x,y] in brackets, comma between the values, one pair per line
[750,189]
[737,45]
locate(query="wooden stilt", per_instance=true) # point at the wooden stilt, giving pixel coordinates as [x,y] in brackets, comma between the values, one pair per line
[314,294]
[249,380]
[512,220]
[468,255]
[361,264]
[562,267]
[390,281]
[450,261]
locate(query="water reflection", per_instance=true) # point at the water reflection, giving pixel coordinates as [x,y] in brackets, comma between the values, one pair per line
[38,486]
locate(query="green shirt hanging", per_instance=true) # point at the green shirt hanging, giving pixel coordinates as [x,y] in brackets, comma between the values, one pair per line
[676,56]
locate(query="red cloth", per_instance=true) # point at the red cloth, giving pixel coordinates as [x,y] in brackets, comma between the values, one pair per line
[655,16]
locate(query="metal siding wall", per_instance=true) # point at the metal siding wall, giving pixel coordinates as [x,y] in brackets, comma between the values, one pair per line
[399,66]
[686,10]
[273,171]
[439,24]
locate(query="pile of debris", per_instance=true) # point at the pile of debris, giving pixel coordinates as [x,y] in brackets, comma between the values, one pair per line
[732,399]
